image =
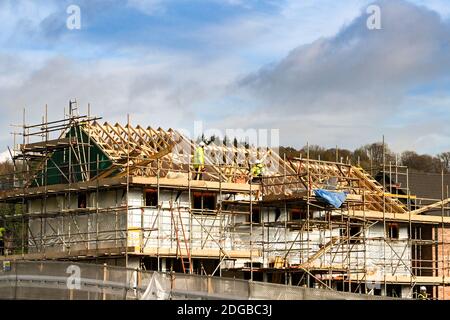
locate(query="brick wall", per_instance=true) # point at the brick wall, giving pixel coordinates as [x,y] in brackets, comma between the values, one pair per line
[443,264]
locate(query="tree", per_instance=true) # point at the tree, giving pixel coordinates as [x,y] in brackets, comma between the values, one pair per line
[212,139]
[288,152]
[313,151]
[6,167]
[361,157]
[14,227]
[225,141]
[445,159]
[423,162]
[375,154]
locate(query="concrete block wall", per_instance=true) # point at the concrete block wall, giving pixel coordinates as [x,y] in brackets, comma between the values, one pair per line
[198,226]
[51,234]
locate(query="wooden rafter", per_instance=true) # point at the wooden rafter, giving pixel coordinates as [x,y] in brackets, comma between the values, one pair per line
[140,149]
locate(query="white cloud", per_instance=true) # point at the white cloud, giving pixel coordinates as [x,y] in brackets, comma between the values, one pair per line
[267,36]
[21,20]
[4,156]
[158,89]
[343,89]
[149,7]
[440,6]
[336,87]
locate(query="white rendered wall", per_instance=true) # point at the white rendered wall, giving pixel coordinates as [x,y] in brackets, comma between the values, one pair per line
[77,231]
[207,231]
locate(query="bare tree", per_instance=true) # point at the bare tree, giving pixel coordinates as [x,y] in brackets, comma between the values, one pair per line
[376,154]
[445,158]
[422,162]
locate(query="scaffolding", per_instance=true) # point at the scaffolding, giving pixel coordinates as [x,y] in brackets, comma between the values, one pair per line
[89,191]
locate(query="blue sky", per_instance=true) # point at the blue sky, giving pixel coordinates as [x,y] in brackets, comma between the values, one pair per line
[309,68]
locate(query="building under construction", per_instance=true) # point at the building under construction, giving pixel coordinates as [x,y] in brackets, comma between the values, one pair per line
[129,195]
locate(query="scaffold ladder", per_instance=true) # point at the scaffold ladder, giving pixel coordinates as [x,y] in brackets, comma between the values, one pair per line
[186,261]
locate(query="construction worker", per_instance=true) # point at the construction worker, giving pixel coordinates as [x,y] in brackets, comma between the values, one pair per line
[423,295]
[2,241]
[257,171]
[199,161]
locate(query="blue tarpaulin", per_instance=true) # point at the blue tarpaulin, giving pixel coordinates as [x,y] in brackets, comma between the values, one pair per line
[334,198]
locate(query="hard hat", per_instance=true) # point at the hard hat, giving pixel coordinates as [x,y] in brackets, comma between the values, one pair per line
[201,144]
[423,288]
[258,161]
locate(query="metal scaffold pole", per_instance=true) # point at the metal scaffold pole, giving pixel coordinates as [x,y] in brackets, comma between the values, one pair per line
[228,224]
[127,191]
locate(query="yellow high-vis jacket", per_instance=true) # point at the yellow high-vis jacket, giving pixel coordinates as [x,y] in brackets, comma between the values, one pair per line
[257,170]
[199,158]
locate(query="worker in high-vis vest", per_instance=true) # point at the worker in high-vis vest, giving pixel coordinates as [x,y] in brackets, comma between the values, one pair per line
[199,161]
[2,241]
[423,295]
[257,170]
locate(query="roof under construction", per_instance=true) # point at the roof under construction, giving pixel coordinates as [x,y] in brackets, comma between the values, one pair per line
[86,156]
